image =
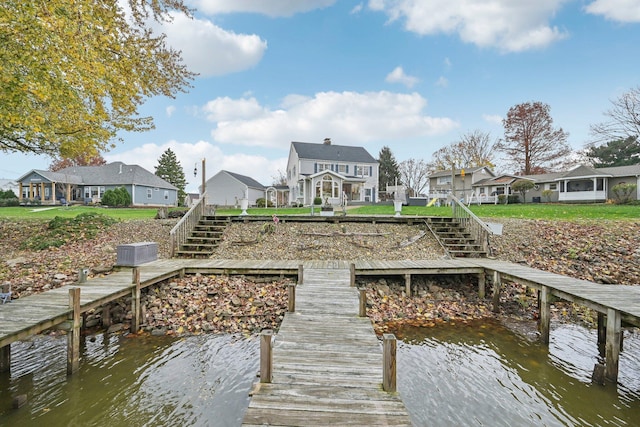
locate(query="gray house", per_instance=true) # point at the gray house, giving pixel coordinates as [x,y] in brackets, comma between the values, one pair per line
[87,184]
[462,181]
[228,188]
[330,172]
[582,184]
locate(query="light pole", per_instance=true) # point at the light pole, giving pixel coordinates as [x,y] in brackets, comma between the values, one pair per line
[195,173]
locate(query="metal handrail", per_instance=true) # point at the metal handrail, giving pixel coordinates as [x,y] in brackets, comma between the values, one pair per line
[478,229]
[181,231]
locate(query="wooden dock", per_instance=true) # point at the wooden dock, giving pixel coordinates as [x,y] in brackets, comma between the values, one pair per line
[327,362]
[616,304]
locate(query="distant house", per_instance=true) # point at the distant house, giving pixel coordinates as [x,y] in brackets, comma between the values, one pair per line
[228,188]
[87,184]
[463,180]
[330,171]
[580,184]
[9,184]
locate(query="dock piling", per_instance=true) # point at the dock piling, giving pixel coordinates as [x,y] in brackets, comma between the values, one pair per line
[73,337]
[266,356]
[389,363]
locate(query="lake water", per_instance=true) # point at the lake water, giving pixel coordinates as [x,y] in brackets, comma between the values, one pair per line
[478,375]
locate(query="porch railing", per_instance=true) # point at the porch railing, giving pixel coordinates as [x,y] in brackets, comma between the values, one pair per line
[478,229]
[181,231]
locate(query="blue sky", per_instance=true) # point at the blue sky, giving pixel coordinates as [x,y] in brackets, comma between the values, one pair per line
[410,74]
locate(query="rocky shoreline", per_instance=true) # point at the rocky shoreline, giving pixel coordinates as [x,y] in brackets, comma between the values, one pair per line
[246,305]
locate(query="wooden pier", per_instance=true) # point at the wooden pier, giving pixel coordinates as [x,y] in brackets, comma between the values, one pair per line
[327,364]
[616,304]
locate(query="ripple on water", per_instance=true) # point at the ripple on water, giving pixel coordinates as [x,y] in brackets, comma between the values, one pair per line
[482,374]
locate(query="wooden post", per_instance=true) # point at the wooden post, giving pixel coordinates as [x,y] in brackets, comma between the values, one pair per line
[135,301]
[482,279]
[352,276]
[545,314]
[613,344]
[389,363]
[362,312]
[292,297]
[82,275]
[300,274]
[496,291]
[73,336]
[106,315]
[602,333]
[407,284]
[5,358]
[266,356]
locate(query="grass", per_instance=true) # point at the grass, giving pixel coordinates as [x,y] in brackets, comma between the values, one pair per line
[548,211]
[50,212]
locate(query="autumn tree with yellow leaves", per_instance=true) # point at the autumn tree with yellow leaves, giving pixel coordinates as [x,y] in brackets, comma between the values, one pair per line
[74,72]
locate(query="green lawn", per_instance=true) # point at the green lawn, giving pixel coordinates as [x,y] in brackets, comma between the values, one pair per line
[531,211]
[49,212]
[549,211]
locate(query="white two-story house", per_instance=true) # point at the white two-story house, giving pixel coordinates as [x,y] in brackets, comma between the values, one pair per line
[331,172]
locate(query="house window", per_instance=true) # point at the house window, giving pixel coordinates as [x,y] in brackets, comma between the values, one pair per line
[166,194]
[361,170]
[327,187]
[599,184]
[552,186]
[343,169]
[444,180]
[149,193]
[482,190]
[324,167]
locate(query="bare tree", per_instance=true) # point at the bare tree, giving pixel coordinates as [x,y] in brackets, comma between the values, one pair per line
[531,143]
[414,175]
[624,119]
[473,149]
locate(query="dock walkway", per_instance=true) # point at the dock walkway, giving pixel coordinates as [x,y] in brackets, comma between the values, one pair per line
[327,362]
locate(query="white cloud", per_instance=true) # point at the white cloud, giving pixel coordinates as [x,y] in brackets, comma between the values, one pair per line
[509,25]
[357,9]
[270,8]
[398,76]
[170,110]
[442,82]
[447,63]
[492,118]
[616,10]
[190,155]
[347,117]
[210,50]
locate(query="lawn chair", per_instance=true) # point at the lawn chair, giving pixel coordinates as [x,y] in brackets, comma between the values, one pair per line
[64,202]
[5,293]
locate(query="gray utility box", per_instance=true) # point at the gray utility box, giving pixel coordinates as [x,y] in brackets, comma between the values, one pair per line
[134,254]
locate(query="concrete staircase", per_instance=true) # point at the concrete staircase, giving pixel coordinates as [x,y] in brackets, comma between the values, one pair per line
[453,236]
[204,238]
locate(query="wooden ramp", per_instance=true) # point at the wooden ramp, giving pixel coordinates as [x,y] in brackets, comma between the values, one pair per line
[327,363]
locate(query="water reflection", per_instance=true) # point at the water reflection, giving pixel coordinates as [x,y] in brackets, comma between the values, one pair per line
[477,374]
[201,381]
[482,374]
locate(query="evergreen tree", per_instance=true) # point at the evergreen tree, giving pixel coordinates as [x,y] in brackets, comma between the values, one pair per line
[170,169]
[389,171]
[622,152]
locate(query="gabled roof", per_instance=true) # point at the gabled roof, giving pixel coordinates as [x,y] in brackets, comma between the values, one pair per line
[545,177]
[116,173]
[332,153]
[67,178]
[246,180]
[620,171]
[583,171]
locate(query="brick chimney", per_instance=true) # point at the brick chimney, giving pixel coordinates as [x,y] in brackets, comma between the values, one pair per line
[327,141]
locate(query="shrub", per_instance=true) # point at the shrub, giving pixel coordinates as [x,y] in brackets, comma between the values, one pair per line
[623,193]
[547,194]
[9,202]
[7,194]
[317,201]
[261,203]
[116,197]
[513,198]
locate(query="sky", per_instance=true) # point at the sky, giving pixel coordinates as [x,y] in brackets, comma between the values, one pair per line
[413,75]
